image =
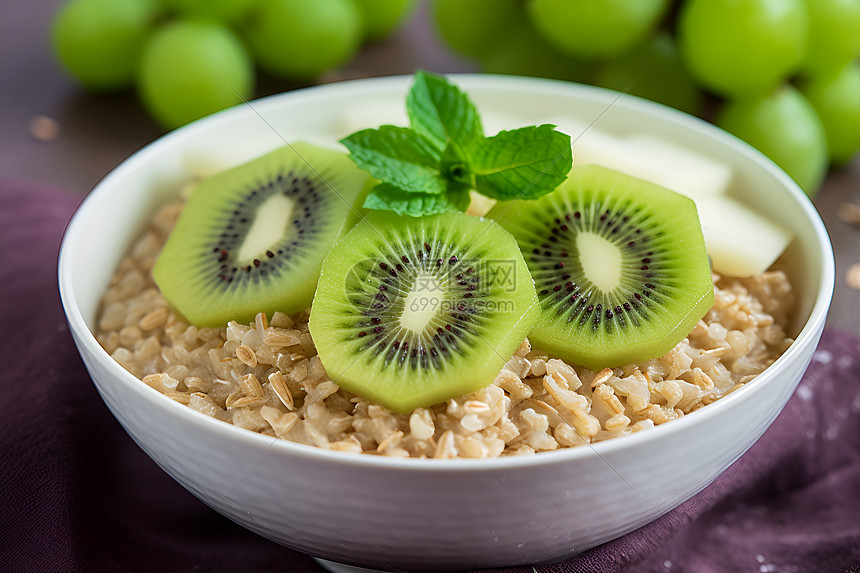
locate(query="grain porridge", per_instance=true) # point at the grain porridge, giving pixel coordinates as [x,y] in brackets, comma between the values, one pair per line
[266,376]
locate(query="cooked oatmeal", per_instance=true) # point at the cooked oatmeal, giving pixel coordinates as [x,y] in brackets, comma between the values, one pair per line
[266,376]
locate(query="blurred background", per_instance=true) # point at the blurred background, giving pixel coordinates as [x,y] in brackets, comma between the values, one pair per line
[85,83]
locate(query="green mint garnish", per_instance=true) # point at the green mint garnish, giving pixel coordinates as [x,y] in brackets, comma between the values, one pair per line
[525,163]
[400,157]
[430,166]
[390,198]
[442,113]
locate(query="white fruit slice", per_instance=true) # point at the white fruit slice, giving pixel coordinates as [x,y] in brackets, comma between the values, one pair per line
[479,204]
[370,115]
[740,242]
[493,123]
[599,148]
[682,170]
[592,146]
[208,158]
[211,157]
[650,158]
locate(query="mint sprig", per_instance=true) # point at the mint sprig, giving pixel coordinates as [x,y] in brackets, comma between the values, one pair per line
[430,166]
[399,156]
[388,197]
[441,112]
[525,163]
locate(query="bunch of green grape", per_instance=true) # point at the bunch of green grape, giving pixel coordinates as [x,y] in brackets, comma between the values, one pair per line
[190,58]
[782,74]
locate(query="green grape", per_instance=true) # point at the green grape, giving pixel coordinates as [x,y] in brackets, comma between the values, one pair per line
[218,10]
[653,71]
[836,98]
[741,48]
[99,41]
[380,17]
[300,39]
[595,28]
[834,35]
[784,127]
[475,28]
[525,53]
[190,69]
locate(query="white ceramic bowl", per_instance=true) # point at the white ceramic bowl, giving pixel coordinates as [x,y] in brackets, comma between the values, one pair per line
[432,514]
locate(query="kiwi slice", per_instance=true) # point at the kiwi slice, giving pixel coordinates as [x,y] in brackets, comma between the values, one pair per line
[619,266]
[412,311]
[252,239]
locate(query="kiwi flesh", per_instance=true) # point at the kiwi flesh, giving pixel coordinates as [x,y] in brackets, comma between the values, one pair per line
[412,311]
[619,266]
[252,239]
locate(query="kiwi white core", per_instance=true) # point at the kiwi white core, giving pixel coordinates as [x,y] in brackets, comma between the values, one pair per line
[424,300]
[269,226]
[600,259]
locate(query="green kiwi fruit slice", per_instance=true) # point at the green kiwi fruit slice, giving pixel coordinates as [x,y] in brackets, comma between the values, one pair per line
[412,311]
[252,239]
[619,266]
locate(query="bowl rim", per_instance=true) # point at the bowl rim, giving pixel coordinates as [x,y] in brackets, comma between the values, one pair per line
[85,336]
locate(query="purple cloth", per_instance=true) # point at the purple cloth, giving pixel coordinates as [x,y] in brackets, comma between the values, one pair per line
[76,494]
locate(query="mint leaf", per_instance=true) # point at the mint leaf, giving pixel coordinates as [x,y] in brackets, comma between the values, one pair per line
[441,112]
[430,167]
[399,156]
[523,163]
[389,198]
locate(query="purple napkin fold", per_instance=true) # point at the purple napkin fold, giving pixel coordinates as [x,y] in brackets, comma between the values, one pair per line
[76,494]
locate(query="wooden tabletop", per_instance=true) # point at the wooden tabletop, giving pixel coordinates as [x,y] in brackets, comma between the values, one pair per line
[54,133]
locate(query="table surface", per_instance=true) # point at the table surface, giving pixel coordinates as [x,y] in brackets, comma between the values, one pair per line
[96,132]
